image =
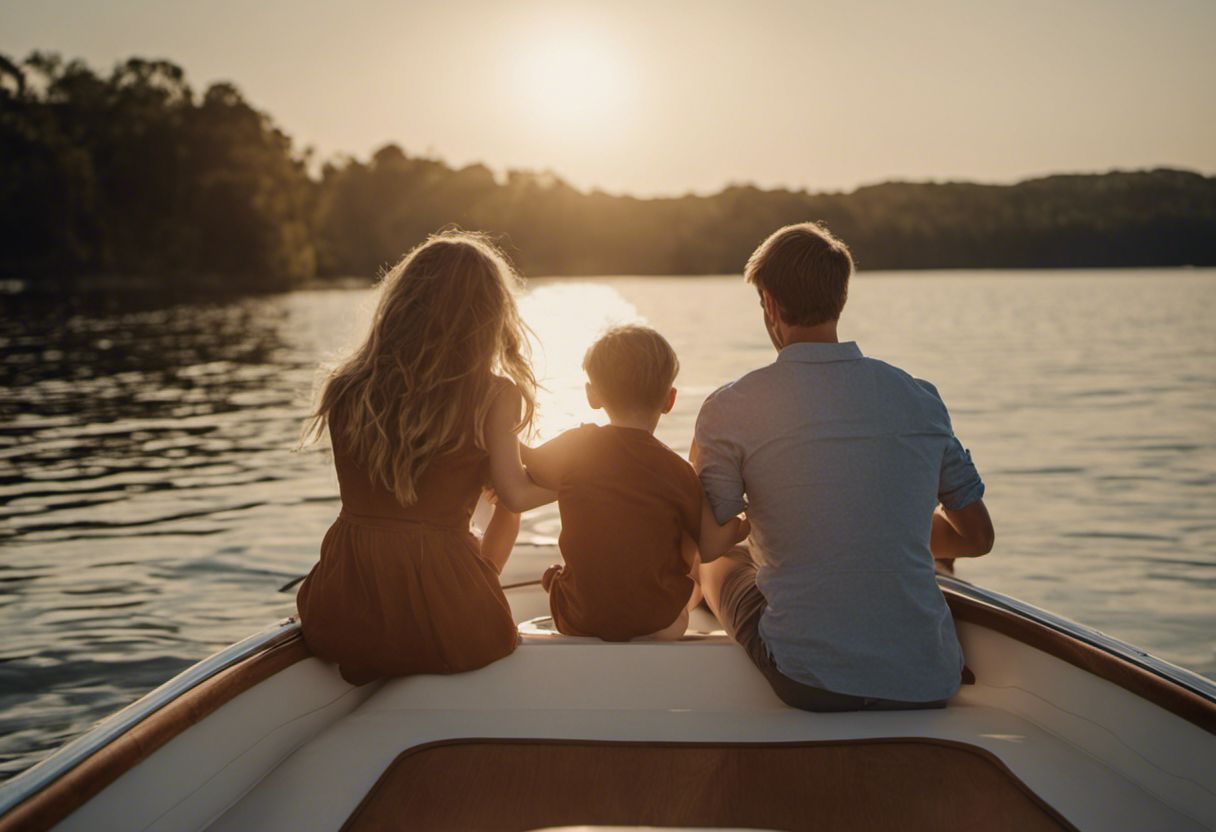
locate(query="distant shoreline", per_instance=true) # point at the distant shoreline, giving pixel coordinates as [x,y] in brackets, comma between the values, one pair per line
[136,173]
[212,287]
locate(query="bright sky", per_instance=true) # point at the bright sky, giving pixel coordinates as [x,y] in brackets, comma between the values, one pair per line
[667,97]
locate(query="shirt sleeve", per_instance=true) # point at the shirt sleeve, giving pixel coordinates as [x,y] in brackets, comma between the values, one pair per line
[551,461]
[959,484]
[719,461]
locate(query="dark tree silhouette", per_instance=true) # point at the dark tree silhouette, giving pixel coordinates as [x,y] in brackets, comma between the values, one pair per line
[131,175]
[135,175]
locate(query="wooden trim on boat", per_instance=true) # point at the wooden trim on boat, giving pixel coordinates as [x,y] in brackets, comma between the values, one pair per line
[563,782]
[1072,644]
[80,783]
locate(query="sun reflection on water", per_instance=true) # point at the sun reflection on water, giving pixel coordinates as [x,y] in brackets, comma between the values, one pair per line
[566,318]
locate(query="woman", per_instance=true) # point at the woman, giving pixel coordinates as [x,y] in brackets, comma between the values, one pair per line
[422,417]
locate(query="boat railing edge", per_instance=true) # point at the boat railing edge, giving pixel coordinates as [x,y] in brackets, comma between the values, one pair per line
[42,774]
[1187,679]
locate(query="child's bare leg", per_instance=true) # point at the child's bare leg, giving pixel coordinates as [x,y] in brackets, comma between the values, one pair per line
[695,597]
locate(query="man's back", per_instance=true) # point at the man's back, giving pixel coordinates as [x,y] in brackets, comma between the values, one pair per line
[843,459]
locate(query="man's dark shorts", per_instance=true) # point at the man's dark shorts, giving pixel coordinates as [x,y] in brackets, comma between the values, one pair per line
[740,607]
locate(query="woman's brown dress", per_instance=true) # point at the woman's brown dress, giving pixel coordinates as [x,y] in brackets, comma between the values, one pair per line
[402,590]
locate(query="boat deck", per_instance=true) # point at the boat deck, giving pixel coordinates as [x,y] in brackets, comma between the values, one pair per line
[691,699]
[1054,733]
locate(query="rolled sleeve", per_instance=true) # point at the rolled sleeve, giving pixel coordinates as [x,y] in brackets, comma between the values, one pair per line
[719,462]
[959,485]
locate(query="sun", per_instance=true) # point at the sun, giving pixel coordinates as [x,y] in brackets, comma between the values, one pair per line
[573,82]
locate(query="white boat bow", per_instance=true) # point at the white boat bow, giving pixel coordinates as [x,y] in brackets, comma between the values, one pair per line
[1063,727]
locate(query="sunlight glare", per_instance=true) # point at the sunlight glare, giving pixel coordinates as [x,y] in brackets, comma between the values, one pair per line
[572,81]
[567,318]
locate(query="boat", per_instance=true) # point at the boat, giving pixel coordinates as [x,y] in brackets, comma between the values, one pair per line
[1057,726]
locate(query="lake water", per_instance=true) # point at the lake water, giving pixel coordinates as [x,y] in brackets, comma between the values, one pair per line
[152,500]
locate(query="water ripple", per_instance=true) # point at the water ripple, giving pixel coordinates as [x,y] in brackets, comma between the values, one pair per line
[152,500]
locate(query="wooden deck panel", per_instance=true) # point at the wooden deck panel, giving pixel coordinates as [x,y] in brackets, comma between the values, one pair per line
[906,784]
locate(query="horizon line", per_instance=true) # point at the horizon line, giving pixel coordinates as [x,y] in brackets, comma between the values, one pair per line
[500,175]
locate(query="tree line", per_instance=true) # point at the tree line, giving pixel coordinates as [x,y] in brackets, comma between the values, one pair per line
[135,174]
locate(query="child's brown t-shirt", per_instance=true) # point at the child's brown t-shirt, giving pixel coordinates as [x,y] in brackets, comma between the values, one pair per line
[626,502]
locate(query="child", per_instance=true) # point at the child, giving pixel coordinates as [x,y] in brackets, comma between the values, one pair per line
[632,510]
[422,417]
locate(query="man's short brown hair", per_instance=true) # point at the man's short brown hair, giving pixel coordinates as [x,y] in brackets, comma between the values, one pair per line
[632,368]
[806,270]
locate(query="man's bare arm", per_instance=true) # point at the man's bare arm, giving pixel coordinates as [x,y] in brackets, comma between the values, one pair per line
[717,539]
[964,533]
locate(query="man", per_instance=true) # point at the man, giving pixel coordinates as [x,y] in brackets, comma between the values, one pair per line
[854,482]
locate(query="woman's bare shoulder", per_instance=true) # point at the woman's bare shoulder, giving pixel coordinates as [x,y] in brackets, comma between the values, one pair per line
[506,401]
[504,392]
[500,383]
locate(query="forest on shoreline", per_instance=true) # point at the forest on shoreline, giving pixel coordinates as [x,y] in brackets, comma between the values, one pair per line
[136,175]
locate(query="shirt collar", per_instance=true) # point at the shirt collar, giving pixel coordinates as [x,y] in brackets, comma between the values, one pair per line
[815,353]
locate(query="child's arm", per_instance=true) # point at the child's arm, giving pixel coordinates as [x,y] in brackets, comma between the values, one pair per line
[499,537]
[516,491]
[716,539]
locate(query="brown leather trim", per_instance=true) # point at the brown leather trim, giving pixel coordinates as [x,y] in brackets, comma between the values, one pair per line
[75,788]
[1143,683]
[875,783]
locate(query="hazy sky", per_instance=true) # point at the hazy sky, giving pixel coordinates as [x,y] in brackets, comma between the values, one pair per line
[667,97]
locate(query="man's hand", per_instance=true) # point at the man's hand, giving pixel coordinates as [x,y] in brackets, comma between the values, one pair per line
[714,540]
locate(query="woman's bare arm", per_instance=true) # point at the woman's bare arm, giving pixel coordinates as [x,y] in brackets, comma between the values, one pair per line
[499,537]
[516,491]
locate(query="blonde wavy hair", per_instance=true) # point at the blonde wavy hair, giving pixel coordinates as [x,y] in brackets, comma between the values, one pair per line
[423,381]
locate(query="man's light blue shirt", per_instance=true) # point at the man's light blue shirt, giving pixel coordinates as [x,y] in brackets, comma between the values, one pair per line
[840,460]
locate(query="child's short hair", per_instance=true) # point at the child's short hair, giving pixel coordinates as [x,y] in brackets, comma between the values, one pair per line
[632,368]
